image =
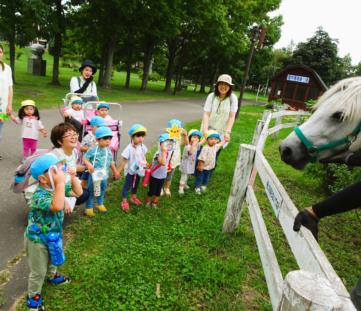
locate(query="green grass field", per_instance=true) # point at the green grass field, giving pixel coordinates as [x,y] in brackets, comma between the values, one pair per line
[46,95]
[116,260]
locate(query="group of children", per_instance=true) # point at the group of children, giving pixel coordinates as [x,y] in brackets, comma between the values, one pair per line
[48,205]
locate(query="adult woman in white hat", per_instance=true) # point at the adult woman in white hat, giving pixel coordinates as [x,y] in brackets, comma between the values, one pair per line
[6,91]
[220,109]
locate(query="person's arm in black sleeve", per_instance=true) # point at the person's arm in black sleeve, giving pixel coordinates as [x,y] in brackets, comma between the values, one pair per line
[85,85]
[346,157]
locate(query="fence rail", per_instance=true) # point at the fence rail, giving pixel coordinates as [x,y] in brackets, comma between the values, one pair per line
[297,291]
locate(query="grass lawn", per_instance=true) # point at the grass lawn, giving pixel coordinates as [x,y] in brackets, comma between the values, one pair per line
[46,95]
[116,261]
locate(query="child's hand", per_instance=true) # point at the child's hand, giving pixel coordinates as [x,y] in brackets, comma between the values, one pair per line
[92,145]
[91,168]
[164,149]
[116,174]
[1,120]
[59,178]
[184,133]
[45,134]
[71,171]
[195,142]
[200,168]
[67,208]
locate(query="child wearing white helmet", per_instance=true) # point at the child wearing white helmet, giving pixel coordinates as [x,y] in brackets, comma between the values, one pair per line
[189,158]
[98,159]
[207,160]
[133,153]
[175,157]
[158,171]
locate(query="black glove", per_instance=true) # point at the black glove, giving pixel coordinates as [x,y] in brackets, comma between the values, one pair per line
[308,220]
[341,158]
[85,85]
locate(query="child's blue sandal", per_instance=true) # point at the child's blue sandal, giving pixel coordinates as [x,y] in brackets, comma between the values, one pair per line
[59,279]
[35,303]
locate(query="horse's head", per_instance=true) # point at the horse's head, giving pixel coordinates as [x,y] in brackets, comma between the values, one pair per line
[337,115]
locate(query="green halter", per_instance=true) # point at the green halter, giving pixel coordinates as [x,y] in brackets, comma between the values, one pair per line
[313,151]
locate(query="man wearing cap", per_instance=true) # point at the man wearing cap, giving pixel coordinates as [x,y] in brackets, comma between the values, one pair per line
[84,84]
[47,213]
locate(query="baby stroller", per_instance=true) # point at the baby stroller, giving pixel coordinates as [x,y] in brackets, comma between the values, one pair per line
[90,110]
[67,104]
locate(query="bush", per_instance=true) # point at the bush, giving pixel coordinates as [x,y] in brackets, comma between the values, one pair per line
[18,54]
[140,74]
[333,177]
[154,77]
[65,64]
[310,103]
[274,103]
[75,69]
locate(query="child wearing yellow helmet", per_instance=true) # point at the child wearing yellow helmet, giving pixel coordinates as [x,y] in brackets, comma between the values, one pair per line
[207,160]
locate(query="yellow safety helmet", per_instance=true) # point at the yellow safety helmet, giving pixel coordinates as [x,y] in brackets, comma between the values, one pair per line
[211,133]
[28,103]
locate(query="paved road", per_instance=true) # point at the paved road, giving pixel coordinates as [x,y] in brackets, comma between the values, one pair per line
[154,115]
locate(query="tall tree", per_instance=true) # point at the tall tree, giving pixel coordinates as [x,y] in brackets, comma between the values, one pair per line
[320,52]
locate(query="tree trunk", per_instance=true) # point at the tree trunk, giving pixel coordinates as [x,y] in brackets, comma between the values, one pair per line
[205,72]
[130,59]
[57,45]
[109,62]
[195,87]
[12,45]
[172,51]
[147,59]
[102,65]
[216,65]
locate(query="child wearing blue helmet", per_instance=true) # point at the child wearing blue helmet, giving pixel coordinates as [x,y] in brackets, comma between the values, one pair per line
[98,159]
[88,142]
[47,214]
[133,153]
[158,171]
[103,110]
[175,157]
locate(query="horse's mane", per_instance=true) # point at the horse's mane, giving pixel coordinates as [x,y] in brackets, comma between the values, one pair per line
[349,100]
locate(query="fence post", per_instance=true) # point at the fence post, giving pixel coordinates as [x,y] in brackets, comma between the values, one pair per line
[241,177]
[266,113]
[278,122]
[257,132]
[303,291]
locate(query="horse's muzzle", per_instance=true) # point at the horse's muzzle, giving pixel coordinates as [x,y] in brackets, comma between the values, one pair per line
[294,154]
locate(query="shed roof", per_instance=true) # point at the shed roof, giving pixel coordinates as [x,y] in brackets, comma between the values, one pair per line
[306,67]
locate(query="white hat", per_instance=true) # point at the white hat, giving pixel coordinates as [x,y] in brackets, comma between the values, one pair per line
[225,78]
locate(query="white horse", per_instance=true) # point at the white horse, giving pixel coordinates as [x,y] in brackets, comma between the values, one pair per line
[337,116]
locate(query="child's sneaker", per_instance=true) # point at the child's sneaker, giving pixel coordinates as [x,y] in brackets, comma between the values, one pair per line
[89,212]
[101,208]
[59,279]
[181,190]
[167,191]
[203,188]
[125,206]
[147,204]
[35,303]
[135,201]
[186,186]
[161,192]
[198,190]
[154,205]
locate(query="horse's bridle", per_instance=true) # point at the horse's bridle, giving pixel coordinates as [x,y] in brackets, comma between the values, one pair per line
[313,151]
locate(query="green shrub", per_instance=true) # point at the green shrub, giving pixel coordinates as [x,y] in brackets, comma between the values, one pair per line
[154,77]
[273,103]
[65,64]
[140,74]
[310,103]
[333,177]
[18,54]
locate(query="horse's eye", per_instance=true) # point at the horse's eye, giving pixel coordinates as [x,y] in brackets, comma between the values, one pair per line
[338,116]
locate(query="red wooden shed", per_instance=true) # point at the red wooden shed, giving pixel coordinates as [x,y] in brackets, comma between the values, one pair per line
[295,85]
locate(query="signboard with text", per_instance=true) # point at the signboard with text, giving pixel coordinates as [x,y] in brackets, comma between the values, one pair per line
[298,78]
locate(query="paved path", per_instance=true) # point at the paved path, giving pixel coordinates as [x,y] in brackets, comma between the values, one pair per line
[154,115]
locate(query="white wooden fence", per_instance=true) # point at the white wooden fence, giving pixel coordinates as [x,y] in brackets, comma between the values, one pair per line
[316,286]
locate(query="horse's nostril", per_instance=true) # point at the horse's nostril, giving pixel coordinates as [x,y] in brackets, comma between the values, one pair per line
[286,155]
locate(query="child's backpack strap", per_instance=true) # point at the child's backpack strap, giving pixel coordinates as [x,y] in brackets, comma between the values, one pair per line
[79,81]
[158,165]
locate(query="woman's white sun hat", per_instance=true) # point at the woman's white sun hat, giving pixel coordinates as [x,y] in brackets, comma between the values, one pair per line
[225,78]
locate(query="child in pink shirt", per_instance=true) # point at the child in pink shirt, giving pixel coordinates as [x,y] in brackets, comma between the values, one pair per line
[29,119]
